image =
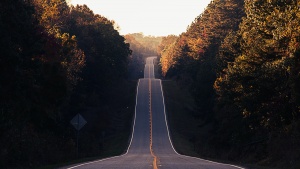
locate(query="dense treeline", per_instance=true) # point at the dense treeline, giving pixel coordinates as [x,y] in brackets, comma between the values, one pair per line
[56,61]
[166,52]
[240,60]
[149,43]
[142,47]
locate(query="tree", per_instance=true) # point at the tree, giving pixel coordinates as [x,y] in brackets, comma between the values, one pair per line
[46,62]
[195,62]
[258,85]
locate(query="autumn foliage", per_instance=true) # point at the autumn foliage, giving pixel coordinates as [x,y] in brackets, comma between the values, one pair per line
[56,60]
[142,47]
[240,60]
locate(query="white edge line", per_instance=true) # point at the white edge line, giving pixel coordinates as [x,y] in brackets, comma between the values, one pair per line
[137,92]
[172,142]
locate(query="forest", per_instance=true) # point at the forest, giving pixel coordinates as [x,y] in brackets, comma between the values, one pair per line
[58,60]
[239,59]
[142,47]
[241,62]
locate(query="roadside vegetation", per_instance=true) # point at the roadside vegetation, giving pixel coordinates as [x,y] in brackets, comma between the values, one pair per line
[231,83]
[185,131]
[239,60]
[142,47]
[57,61]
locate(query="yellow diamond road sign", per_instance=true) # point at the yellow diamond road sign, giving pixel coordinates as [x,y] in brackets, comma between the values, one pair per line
[78,122]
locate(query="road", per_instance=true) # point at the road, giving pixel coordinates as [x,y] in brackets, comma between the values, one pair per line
[150,146]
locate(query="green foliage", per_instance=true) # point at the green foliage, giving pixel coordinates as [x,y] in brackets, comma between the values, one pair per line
[259,79]
[261,74]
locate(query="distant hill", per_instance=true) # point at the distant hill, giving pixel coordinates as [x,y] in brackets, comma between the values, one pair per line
[142,47]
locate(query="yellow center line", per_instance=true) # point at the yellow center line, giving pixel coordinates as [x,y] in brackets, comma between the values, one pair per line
[155,158]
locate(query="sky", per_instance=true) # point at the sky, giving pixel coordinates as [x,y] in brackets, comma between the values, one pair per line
[151,17]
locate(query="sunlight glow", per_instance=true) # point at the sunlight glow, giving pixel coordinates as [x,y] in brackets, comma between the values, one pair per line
[155,17]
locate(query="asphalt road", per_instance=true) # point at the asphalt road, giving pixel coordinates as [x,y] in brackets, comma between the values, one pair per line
[151,146]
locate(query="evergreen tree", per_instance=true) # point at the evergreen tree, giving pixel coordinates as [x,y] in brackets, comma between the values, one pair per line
[257,86]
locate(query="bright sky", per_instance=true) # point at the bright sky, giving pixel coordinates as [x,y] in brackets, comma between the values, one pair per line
[152,17]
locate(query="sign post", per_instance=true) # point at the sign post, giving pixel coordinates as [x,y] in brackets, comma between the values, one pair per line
[78,122]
